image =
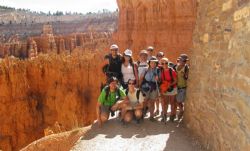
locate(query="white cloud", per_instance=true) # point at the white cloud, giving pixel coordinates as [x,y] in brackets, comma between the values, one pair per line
[62,5]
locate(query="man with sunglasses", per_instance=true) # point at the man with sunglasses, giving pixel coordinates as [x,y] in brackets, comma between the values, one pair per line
[114,63]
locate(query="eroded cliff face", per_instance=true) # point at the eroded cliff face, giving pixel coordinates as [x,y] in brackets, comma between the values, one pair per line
[218,104]
[45,95]
[165,24]
[48,42]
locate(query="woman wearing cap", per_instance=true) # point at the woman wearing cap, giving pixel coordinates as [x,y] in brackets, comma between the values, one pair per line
[149,85]
[112,98]
[128,69]
[168,75]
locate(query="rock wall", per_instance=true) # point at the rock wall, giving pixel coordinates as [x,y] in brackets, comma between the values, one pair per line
[218,103]
[45,95]
[165,24]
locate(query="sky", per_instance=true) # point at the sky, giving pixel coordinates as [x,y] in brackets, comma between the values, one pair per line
[81,6]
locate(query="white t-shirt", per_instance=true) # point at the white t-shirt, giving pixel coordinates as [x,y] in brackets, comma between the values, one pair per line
[133,99]
[142,68]
[127,73]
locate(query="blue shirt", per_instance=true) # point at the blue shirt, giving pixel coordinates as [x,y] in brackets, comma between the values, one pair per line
[150,75]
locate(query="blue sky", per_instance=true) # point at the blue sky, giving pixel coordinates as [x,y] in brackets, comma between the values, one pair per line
[82,6]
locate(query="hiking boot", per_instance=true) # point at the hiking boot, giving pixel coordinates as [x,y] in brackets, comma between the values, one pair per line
[180,115]
[138,121]
[172,117]
[112,113]
[152,119]
[164,118]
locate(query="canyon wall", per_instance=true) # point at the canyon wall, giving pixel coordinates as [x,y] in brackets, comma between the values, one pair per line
[45,95]
[165,24]
[218,103]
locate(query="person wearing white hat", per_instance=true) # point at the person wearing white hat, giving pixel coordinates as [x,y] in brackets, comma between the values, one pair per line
[128,69]
[114,63]
[150,51]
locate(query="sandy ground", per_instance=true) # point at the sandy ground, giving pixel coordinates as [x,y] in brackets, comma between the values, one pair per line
[146,136]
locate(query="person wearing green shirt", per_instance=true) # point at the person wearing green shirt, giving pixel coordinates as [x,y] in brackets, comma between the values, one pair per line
[111,99]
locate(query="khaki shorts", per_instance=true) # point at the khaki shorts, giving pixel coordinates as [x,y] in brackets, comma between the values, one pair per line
[181,96]
[151,95]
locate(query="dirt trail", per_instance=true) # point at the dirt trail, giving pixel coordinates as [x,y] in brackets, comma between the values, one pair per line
[146,136]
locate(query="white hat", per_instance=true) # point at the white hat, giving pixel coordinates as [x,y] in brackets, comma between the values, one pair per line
[128,52]
[150,48]
[114,46]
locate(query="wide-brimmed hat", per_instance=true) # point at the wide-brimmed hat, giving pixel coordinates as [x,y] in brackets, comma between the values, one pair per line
[144,52]
[184,57]
[153,59]
[128,52]
[150,48]
[165,59]
[114,46]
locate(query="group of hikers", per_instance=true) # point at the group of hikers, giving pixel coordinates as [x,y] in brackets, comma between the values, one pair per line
[136,88]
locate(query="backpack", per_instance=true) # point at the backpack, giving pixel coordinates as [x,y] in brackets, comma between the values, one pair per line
[186,69]
[137,93]
[117,93]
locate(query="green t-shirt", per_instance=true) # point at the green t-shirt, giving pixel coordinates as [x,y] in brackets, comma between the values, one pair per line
[111,97]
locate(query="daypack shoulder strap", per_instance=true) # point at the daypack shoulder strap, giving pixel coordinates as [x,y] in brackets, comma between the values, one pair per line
[138,94]
[171,74]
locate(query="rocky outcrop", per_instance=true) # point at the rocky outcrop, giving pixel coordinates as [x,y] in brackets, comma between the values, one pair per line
[165,24]
[47,42]
[46,95]
[218,105]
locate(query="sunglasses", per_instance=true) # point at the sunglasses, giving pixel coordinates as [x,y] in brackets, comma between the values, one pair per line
[114,49]
[131,83]
[166,63]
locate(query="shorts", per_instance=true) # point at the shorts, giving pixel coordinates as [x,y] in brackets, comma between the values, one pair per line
[105,109]
[173,92]
[151,95]
[181,96]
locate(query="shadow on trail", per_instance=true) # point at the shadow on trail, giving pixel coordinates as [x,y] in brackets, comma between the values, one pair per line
[170,136]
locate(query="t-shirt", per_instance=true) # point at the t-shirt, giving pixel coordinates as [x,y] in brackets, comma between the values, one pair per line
[133,99]
[142,68]
[150,75]
[165,75]
[115,65]
[181,82]
[128,72]
[112,97]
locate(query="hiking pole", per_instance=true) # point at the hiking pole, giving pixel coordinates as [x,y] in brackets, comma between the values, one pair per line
[159,97]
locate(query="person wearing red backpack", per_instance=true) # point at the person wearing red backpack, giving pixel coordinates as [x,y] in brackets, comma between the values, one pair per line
[168,76]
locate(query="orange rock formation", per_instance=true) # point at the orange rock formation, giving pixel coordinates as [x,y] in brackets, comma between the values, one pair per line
[45,95]
[165,24]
